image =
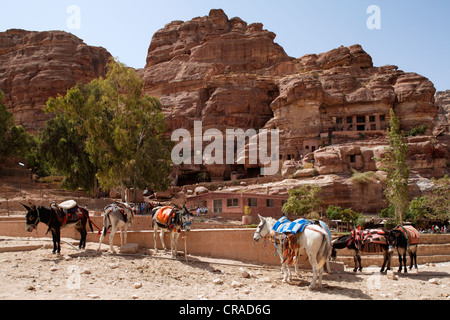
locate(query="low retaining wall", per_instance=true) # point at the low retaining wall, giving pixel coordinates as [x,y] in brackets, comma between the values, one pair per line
[235,243]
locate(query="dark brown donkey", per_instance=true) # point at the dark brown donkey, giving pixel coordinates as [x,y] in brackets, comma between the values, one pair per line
[56,218]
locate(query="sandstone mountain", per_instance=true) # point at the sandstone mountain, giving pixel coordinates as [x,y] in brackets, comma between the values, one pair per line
[232,75]
[35,66]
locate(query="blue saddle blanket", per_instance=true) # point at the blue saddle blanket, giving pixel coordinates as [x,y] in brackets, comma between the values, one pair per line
[283,225]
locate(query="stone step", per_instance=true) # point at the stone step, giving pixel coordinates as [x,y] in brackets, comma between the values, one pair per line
[377,260]
[422,250]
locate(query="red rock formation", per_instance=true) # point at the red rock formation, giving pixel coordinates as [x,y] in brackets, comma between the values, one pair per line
[443,118]
[203,69]
[230,74]
[35,66]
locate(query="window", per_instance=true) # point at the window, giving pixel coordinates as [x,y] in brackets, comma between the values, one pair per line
[252,202]
[382,117]
[339,120]
[372,119]
[353,158]
[270,203]
[349,120]
[217,206]
[361,127]
[360,119]
[233,202]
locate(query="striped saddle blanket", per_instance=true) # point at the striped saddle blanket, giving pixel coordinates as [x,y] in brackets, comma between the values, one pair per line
[368,236]
[283,225]
[411,234]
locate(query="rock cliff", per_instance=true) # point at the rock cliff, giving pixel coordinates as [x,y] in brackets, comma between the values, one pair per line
[35,66]
[232,75]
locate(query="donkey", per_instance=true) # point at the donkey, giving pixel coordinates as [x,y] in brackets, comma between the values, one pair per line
[118,215]
[405,239]
[345,242]
[174,222]
[363,238]
[314,241]
[55,219]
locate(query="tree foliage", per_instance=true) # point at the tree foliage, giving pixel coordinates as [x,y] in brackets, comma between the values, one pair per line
[303,201]
[434,206]
[123,129]
[397,171]
[15,141]
[346,215]
[63,148]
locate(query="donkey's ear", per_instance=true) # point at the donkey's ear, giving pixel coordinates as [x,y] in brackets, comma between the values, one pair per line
[261,218]
[26,207]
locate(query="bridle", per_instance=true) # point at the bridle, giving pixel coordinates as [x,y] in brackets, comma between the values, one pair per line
[38,219]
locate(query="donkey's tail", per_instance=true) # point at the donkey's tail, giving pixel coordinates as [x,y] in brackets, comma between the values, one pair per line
[324,252]
[106,224]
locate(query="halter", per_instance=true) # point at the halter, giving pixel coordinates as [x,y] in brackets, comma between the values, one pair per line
[38,219]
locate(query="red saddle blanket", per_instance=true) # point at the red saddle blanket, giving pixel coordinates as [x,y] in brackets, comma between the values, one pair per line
[369,236]
[68,216]
[411,233]
[162,215]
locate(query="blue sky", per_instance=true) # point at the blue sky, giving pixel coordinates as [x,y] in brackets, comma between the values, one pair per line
[414,35]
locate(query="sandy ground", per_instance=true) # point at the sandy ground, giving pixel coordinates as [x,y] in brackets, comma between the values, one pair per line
[38,274]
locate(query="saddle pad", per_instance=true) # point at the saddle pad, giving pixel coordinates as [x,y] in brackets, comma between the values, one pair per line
[283,225]
[163,215]
[413,234]
[69,204]
[374,236]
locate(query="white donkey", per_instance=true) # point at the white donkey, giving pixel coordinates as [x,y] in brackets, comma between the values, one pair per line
[314,241]
[118,215]
[174,221]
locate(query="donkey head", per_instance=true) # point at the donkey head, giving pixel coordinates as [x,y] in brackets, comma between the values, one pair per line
[262,230]
[31,218]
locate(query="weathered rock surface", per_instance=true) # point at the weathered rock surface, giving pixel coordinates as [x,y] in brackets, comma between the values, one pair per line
[442,121]
[232,75]
[35,66]
[203,70]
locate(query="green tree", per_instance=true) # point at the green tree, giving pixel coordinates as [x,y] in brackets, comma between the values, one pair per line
[303,201]
[15,141]
[63,147]
[124,129]
[394,164]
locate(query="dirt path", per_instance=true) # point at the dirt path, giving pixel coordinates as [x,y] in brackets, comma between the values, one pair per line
[38,274]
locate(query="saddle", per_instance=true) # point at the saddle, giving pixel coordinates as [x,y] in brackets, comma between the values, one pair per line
[66,212]
[164,216]
[283,225]
[411,234]
[122,207]
[368,240]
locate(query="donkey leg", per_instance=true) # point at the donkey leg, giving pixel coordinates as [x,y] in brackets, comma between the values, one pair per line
[320,278]
[111,239]
[415,258]
[385,260]
[161,236]
[174,243]
[101,239]
[358,257]
[55,247]
[121,237]
[58,241]
[312,260]
[355,260]
[155,230]
[125,235]
[83,234]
